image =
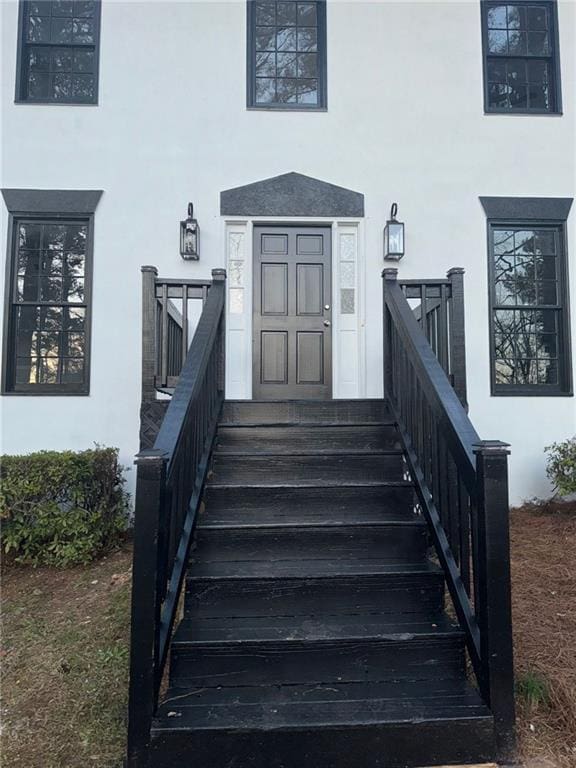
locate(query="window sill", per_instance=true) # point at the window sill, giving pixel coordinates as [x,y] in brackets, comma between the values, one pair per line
[278,108]
[529,393]
[47,103]
[525,112]
[44,393]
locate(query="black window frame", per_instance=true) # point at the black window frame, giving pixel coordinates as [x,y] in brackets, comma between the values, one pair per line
[554,58]
[24,46]
[46,206]
[542,214]
[251,102]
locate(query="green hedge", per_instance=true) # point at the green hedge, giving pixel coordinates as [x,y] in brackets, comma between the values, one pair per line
[62,508]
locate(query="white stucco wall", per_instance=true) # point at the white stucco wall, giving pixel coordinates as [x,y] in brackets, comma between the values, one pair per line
[404,123]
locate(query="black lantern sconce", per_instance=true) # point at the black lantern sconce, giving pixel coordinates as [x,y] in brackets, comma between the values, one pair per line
[393,236]
[190,237]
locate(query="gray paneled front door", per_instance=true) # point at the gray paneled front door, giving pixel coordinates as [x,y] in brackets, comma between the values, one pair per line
[292,313]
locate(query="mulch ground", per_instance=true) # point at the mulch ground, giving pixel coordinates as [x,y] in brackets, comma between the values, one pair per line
[544,606]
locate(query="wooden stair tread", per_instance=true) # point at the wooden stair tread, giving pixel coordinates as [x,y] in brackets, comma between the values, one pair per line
[299,568]
[313,628]
[324,705]
[304,411]
[318,470]
[307,439]
[377,504]
[332,690]
[397,543]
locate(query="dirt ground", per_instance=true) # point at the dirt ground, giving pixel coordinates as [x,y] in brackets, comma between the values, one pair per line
[544,611]
[64,665]
[65,653]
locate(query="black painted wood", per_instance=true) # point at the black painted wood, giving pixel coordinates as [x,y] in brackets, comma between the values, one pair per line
[169,487]
[361,738]
[377,504]
[239,412]
[305,587]
[295,470]
[350,659]
[313,629]
[389,543]
[461,483]
[312,439]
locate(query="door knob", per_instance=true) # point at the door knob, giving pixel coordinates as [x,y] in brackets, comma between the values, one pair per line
[327,323]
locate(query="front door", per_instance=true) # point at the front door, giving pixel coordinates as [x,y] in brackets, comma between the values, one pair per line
[292,340]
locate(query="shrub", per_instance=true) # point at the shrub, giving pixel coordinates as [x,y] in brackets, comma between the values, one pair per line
[533,689]
[62,508]
[561,466]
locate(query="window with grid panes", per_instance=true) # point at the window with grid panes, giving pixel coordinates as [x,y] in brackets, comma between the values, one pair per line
[287,54]
[49,306]
[521,57]
[58,58]
[529,312]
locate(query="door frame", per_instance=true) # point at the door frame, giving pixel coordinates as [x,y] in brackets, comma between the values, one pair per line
[348,330]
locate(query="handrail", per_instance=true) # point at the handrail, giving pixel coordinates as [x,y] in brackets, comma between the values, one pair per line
[169,484]
[462,488]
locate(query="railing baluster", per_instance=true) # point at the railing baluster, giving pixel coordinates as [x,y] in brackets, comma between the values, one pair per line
[170,480]
[184,323]
[461,483]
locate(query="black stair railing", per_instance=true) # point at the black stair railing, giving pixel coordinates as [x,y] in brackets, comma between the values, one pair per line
[440,314]
[170,478]
[462,487]
[165,328]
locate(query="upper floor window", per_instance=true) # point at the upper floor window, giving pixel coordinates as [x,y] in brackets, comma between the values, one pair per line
[48,292]
[521,63]
[287,54]
[529,323]
[58,51]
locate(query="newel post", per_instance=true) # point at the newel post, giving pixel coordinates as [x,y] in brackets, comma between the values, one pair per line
[494,605]
[389,278]
[458,334]
[149,275]
[219,279]
[146,603]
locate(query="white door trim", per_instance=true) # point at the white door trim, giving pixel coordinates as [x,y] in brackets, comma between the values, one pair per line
[348,310]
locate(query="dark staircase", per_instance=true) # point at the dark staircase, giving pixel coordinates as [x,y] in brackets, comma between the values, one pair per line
[314,633]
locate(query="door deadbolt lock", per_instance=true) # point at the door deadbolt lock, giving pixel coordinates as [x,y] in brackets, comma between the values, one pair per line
[326,306]
[327,323]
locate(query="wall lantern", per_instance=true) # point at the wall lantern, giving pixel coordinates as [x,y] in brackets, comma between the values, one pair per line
[393,236]
[190,236]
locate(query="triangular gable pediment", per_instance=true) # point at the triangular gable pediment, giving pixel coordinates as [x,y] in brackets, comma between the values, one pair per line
[291,194]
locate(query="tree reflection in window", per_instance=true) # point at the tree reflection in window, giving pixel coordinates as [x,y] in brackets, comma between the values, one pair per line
[526,310]
[59,51]
[521,60]
[286,45]
[50,303]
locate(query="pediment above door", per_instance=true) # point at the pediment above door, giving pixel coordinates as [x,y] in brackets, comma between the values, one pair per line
[292,194]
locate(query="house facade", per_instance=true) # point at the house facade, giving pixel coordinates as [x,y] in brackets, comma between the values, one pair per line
[292,127]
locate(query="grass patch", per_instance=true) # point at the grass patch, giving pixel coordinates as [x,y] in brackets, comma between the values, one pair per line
[65,665]
[532,689]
